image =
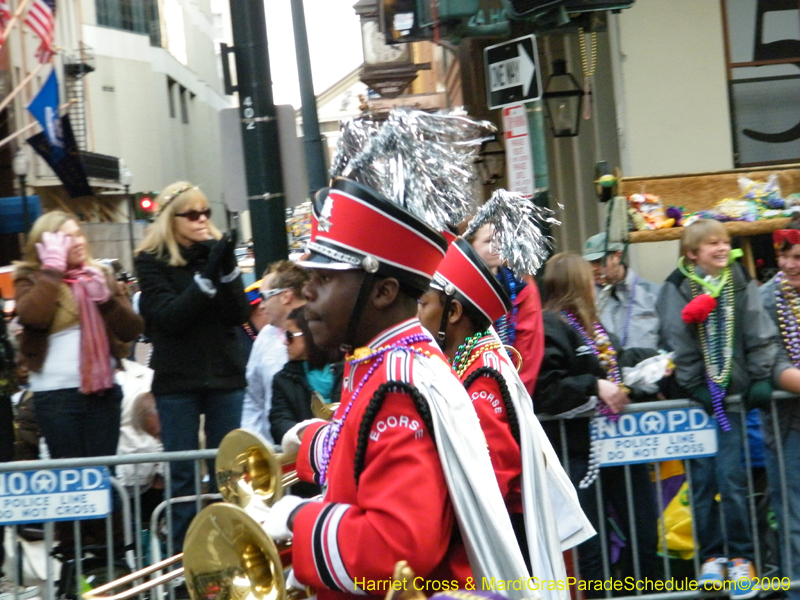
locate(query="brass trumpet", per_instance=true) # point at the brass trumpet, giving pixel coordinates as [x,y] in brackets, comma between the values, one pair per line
[227,554]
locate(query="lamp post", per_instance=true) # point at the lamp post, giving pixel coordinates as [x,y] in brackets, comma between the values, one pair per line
[20,165]
[491,161]
[563,98]
[126,178]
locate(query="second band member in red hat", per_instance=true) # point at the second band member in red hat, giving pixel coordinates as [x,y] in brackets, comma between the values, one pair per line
[460,307]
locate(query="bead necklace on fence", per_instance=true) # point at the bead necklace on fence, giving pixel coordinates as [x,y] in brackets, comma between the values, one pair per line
[602,348]
[716,339]
[506,326]
[466,355]
[361,356]
[787,300]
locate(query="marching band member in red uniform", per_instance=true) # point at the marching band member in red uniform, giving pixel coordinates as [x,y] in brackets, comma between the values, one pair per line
[403,464]
[463,302]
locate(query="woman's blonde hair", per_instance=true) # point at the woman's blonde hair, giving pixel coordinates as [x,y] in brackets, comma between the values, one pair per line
[159,239]
[700,231]
[569,286]
[49,222]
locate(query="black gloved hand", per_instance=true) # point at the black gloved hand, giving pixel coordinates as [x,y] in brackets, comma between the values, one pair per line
[214,263]
[758,395]
[702,395]
[229,263]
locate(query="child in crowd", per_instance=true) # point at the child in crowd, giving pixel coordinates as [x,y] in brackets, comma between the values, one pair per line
[713,319]
[781,296]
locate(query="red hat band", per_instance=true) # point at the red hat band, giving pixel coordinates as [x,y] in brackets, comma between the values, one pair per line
[473,280]
[356,222]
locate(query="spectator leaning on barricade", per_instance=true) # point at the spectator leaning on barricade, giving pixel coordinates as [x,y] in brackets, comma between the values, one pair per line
[281,292]
[626,303]
[581,372]
[193,301]
[520,327]
[76,319]
[781,296]
[714,321]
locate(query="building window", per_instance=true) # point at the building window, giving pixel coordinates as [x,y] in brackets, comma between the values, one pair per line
[184,105]
[762,43]
[171,97]
[138,16]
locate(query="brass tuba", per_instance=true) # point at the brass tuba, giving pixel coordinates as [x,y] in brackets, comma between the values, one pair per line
[226,555]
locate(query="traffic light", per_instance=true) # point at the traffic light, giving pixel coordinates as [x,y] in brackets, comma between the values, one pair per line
[413,20]
[147,204]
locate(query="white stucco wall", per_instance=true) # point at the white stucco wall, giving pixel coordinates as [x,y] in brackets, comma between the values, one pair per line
[673,114]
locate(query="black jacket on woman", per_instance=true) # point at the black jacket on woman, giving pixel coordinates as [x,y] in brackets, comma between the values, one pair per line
[568,379]
[195,340]
[291,396]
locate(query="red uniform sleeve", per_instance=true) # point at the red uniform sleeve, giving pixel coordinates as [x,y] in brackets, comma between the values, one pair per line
[310,453]
[401,510]
[529,338]
[503,448]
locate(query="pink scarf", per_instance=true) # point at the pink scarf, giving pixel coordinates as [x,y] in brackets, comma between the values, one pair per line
[88,287]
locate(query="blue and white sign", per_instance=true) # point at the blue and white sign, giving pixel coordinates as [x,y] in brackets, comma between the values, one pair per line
[657,435]
[54,495]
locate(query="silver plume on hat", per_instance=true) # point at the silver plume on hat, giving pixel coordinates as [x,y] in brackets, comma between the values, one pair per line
[420,161]
[518,222]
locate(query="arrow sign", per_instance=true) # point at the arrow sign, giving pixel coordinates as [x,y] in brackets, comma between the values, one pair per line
[513,72]
[512,75]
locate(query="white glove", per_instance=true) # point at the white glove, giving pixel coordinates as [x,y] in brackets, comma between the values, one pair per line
[290,442]
[257,509]
[292,582]
[276,523]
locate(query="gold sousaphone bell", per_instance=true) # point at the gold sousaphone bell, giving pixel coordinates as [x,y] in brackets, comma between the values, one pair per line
[227,555]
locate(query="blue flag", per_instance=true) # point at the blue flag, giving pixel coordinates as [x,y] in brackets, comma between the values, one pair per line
[44,107]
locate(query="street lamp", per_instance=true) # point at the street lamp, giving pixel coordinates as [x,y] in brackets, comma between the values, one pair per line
[563,98]
[491,161]
[126,179]
[20,164]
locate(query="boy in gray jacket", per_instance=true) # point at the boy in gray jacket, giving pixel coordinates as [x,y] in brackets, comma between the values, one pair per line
[713,319]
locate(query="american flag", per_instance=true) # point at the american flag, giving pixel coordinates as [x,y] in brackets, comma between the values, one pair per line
[5,16]
[41,18]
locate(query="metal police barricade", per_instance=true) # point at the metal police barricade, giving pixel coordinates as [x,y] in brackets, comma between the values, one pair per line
[646,432]
[80,489]
[653,432]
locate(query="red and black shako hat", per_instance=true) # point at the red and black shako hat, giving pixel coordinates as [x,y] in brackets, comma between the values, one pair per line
[464,275]
[355,227]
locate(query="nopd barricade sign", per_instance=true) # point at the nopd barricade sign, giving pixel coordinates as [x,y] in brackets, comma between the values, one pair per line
[54,495]
[656,435]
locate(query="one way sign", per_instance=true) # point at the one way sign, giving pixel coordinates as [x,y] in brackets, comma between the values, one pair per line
[512,72]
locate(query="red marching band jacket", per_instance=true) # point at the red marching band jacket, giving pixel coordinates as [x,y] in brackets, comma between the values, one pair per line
[487,398]
[399,509]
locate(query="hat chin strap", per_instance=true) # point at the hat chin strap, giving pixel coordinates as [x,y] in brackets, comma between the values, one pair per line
[361,301]
[450,293]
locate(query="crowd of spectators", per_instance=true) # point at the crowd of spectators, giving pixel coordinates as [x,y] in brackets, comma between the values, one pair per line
[219,362]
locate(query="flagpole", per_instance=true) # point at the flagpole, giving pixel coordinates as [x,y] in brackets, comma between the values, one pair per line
[19,132]
[20,86]
[13,20]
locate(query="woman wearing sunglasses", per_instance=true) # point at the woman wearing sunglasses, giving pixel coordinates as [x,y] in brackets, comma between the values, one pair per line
[193,301]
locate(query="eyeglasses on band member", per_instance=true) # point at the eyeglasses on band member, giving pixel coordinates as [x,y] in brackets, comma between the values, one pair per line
[194,215]
[266,295]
